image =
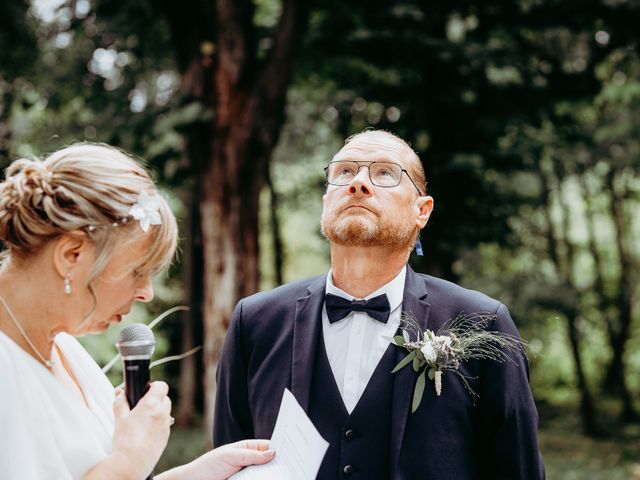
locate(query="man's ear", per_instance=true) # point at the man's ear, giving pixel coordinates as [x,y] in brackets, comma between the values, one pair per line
[425,207]
[69,251]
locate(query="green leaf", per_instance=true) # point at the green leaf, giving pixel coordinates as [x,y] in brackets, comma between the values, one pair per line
[399,339]
[416,364]
[404,361]
[417,393]
[431,374]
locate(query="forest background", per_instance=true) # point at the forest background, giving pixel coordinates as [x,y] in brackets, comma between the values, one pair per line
[524,113]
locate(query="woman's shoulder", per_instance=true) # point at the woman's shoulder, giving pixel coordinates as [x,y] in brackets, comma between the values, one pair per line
[13,359]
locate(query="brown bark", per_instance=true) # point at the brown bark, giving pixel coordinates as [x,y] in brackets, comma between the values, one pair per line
[191,330]
[247,98]
[278,249]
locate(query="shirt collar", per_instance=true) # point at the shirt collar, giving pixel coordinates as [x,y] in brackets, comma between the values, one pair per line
[394,289]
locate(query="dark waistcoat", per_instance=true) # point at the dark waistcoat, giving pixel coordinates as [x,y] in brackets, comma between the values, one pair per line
[358,443]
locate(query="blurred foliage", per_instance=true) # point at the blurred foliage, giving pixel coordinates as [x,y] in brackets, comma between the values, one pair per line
[570,455]
[184,445]
[524,113]
[527,126]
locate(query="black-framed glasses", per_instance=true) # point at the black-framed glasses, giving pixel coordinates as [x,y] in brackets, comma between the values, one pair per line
[381,174]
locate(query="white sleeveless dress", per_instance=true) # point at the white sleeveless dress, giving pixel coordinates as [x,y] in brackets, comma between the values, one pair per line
[46,430]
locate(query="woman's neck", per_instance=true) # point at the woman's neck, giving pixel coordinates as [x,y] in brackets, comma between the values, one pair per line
[24,315]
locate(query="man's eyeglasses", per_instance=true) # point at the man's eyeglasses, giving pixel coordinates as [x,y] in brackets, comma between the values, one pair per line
[382,174]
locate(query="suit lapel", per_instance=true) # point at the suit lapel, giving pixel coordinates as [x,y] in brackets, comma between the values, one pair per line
[414,302]
[306,332]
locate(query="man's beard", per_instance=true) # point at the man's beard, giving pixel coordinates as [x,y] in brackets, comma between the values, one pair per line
[360,231]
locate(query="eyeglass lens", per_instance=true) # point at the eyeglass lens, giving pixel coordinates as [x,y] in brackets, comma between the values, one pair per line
[382,174]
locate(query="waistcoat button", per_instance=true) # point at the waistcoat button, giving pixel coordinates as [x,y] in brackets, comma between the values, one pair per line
[349,434]
[348,470]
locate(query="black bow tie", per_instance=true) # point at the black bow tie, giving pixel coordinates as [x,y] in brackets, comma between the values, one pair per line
[339,307]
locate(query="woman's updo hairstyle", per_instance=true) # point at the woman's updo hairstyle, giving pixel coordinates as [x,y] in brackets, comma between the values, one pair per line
[83,187]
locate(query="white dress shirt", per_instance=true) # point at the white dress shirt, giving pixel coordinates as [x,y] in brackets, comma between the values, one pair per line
[356,343]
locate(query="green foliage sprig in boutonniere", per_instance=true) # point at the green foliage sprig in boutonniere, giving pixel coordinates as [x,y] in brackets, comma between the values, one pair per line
[464,338]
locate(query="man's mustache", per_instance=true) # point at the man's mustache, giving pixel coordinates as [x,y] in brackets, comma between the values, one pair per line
[351,204]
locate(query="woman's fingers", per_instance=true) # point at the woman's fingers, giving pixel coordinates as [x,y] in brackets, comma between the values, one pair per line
[156,401]
[249,452]
[120,404]
[157,391]
[254,444]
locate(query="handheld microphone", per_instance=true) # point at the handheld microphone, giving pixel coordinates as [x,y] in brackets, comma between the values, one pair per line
[136,344]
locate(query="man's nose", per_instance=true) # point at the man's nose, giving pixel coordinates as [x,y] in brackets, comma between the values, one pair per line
[361,183]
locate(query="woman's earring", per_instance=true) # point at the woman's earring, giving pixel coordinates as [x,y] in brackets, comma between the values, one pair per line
[67,283]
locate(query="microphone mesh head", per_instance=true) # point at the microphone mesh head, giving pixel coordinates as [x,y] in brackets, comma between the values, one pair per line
[136,340]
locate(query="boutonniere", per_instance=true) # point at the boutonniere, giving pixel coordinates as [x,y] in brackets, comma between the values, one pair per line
[464,338]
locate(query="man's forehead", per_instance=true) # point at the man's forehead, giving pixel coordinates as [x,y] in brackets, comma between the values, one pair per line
[373,148]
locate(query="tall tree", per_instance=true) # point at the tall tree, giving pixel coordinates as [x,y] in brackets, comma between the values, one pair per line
[452,78]
[240,75]
[109,62]
[17,55]
[562,252]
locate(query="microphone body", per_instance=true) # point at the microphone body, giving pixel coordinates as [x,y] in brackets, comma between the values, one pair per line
[136,344]
[136,380]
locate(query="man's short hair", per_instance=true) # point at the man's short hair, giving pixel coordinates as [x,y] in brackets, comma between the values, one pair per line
[415,167]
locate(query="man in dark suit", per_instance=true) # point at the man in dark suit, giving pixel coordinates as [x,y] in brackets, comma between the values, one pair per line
[327,339]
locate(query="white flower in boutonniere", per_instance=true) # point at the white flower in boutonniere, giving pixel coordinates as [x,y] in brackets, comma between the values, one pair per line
[146,210]
[464,338]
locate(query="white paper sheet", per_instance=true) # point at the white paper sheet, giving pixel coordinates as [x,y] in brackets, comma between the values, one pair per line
[298,445]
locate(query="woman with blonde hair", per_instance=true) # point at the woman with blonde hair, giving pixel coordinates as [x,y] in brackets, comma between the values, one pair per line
[84,231]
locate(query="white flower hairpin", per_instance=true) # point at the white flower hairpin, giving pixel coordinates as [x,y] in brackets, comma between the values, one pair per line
[146,210]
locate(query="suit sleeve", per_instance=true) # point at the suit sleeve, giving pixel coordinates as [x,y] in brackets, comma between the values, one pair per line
[232,419]
[508,420]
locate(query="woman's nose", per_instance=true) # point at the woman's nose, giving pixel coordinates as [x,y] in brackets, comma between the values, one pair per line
[145,292]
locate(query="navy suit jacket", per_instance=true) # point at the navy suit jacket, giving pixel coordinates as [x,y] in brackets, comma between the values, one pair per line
[271,344]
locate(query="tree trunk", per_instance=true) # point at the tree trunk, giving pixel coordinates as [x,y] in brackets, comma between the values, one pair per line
[230,241]
[563,269]
[599,284]
[245,91]
[191,320]
[19,52]
[6,103]
[615,377]
[278,250]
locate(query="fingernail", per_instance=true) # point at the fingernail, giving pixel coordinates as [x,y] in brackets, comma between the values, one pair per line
[268,453]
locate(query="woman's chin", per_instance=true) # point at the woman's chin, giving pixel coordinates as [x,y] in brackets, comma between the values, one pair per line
[96,327]
[99,327]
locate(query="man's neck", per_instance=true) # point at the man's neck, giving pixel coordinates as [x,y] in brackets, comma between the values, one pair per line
[360,271]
